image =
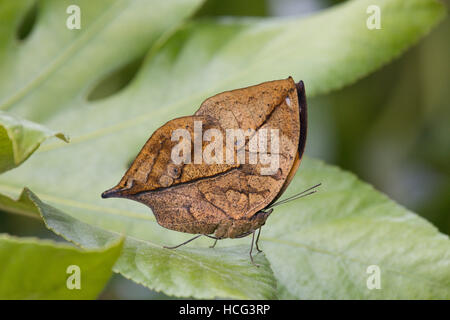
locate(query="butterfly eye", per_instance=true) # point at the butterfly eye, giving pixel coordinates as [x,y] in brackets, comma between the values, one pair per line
[173,170]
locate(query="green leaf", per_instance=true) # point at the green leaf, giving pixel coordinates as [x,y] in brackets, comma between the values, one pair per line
[333,236]
[39,269]
[204,58]
[197,272]
[19,139]
[23,205]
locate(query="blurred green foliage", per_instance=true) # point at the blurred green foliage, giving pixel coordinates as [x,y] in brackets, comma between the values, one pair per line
[394,121]
[397,121]
[233,8]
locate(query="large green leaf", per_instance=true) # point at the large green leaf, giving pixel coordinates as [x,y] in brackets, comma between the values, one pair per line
[54,68]
[19,139]
[333,236]
[200,272]
[328,51]
[40,269]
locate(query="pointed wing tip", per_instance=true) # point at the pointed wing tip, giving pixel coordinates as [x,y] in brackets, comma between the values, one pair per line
[111,193]
[107,194]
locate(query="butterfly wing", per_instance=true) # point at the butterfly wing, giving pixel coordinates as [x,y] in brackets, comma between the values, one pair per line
[156,167]
[204,198]
[270,105]
[303,112]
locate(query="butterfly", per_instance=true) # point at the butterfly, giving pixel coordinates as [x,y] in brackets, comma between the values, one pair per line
[220,172]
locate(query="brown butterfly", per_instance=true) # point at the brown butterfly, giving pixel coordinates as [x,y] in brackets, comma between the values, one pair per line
[219,172]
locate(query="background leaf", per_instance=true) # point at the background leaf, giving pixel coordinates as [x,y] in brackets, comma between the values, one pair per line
[37,269]
[204,58]
[19,139]
[60,74]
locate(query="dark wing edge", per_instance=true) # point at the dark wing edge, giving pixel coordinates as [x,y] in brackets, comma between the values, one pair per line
[303,117]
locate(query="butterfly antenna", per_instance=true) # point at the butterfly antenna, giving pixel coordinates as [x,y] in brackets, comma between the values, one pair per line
[302,194]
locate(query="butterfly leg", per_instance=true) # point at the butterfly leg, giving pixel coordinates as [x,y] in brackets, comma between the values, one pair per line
[212,237]
[214,244]
[251,250]
[186,242]
[257,240]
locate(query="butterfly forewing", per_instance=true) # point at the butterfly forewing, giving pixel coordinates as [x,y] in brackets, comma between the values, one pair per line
[224,198]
